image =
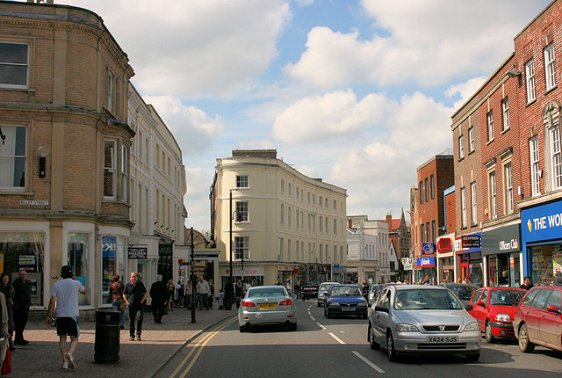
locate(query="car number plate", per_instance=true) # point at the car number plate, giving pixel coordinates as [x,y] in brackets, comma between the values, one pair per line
[348,308]
[443,339]
[267,306]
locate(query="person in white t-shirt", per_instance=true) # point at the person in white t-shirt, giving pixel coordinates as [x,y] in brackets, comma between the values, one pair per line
[64,297]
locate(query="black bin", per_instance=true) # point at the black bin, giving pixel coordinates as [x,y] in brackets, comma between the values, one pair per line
[106,347]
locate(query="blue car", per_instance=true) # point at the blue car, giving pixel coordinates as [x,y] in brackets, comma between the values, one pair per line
[345,300]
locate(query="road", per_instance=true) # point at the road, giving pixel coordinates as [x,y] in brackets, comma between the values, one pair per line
[337,348]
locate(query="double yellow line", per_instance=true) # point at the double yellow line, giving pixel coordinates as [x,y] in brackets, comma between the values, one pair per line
[196,348]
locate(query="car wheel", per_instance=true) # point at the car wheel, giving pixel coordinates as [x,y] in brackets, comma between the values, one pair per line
[372,343]
[473,357]
[244,328]
[293,327]
[525,345]
[328,315]
[489,335]
[390,352]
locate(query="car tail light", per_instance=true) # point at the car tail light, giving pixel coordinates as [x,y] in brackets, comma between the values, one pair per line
[286,302]
[248,304]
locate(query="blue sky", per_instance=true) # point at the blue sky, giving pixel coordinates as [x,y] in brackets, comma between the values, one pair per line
[357,92]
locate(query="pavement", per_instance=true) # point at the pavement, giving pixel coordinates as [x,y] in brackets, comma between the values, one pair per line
[41,357]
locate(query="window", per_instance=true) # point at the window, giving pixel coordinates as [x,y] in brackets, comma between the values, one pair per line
[508,184]
[241,247]
[530,75]
[13,157]
[471,139]
[474,206]
[282,186]
[109,170]
[549,67]
[461,147]
[335,227]
[463,208]
[422,232]
[320,223]
[433,231]
[14,65]
[493,195]
[555,156]
[535,166]
[490,119]
[111,91]
[282,214]
[505,114]
[125,173]
[432,186]
[242,182]
[78,259]
[426,188]
[421,191]
[241,211]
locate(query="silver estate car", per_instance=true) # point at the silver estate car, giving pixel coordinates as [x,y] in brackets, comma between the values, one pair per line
[265,305]
[422,319]
[322,290]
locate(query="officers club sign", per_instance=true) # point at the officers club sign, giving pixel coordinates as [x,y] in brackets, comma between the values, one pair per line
[501,240]
[542,222]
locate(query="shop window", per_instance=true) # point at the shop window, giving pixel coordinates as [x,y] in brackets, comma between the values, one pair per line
[113,250]
[13,157]
[78,259]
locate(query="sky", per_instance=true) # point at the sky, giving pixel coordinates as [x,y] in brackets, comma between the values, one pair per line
[359,93]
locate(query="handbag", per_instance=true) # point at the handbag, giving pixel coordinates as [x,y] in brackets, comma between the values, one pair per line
[123,306]
[7,364]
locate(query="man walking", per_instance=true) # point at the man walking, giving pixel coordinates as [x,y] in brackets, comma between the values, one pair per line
[22,301]
[134,296]
[64,297]
[158,295]
[202,289]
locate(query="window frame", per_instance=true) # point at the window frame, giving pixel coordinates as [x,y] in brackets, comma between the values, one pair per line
[461,146]
[18,64]
[471,140]
[549,67]
[124,179]
[464,222]
[242,182]
[490,125]
[242,212]
[534,165]
[474,203]
[505,114]
[241,248]
[493,195]
[16,158]
[509,196]
[110,170]
[530,81]
[555,156]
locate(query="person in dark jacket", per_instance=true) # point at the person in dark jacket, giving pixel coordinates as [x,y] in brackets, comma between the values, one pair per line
[228,295]
[158,293]
[527,284]
[22,301]
[134,296]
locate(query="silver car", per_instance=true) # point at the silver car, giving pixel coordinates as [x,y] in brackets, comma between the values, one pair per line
[265,305]
[422,319]
[323,289]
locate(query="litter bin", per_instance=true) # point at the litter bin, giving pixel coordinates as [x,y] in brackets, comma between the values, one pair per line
[106,347]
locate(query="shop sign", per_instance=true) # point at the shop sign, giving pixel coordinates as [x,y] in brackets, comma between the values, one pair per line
[501,240]
[136,252]
[542,222]
[425,262]
[407,263]
[108,246]
[470,241]
[428,249]
[444,245]
[27,262]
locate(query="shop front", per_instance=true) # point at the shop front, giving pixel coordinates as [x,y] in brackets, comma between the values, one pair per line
[501,253]
[445,259]
[425,264]
[541,234]
[469,258]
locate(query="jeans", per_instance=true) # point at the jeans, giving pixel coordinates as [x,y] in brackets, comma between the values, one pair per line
[203,301]
[135,320]
[117,307]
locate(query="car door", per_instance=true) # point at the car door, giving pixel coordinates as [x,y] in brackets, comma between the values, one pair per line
[479,312]
[381,316]
[551,323]
[535,314]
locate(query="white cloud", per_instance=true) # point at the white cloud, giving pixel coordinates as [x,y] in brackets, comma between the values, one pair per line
[425,42]
[195,48]
[320,118]
[194,130]
[197,199]
[463,92]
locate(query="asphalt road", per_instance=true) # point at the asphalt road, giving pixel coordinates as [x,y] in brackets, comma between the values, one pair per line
[324,347]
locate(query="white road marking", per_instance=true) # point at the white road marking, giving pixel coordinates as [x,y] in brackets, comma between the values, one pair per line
[336,338]
[320,325]
[366,360]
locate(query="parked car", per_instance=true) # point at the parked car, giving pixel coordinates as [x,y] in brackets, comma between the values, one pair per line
[265,305]
[422,319]
[494,308]
[345,300]
[309,291]
[463,291]
[322,290]
[538,319]
[374,291]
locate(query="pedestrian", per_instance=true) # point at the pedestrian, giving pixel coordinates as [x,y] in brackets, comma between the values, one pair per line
[188,292]
[228,295]
[3,329]
[170,290]
[238,292]
[557,278]
[22,301]
[180,293]
[135,296]
[202,290]
[211,293]
[158,296]
[64,305]
[116,299]
[8,290]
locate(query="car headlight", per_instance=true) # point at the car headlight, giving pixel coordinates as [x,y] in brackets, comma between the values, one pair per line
[504,318]
[405,327]
[471,327]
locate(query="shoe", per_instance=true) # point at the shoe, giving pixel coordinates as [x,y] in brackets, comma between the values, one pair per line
[21,342]
[70,360]
[132,338]
[12,347]
[139,337]
[65,365]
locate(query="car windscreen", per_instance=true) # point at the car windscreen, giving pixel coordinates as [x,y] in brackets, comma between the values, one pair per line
[345,291]
[506,297]
[463,292]
[426,299]
[325,286]
[266,292]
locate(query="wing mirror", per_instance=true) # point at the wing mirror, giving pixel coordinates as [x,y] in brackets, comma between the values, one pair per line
[481,303]
[554,309]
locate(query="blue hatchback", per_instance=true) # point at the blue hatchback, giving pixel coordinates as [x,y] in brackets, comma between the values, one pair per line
[345,300]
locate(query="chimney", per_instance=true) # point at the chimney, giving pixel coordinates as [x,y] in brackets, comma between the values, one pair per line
[349,223]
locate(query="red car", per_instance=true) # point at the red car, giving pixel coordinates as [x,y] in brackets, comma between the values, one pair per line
[538,319]
[494,308]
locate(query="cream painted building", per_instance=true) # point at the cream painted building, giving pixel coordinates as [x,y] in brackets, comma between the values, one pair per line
[284,227]
[157,187]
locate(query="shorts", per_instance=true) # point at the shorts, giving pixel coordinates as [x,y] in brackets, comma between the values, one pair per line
[68,327]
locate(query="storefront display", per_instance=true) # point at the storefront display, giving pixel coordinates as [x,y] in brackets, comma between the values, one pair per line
[501,250]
